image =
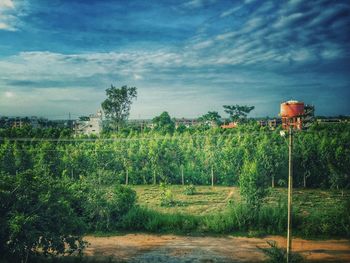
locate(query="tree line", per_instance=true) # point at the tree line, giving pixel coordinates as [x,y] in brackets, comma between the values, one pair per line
[321,156]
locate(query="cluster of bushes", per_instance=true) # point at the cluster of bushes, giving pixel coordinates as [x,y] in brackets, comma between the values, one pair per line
[242,218]
[50,215]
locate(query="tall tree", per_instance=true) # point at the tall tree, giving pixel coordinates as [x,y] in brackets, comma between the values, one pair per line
[238,112]
[118,102]
[212,116]
[164,123]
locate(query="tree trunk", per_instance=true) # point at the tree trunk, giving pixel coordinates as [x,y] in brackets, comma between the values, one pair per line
[182,175]
[127,177]
[212,176]
[154,177]
[273,181]
[304,180]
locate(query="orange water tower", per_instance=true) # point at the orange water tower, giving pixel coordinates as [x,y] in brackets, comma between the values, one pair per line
[292,112]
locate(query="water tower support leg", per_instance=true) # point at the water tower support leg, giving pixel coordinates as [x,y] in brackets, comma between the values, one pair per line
[290,189]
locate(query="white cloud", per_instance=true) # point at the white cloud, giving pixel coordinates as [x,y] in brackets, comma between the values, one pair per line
[137,76]
[6,4]
[8,21]
[203,44]
[193,4]
[230,11]
[9,94]
[225,36]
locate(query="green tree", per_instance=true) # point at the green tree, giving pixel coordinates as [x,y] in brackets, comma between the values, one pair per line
[253,183]
[164,123]
[212,116]
[118,102]
[37,214]
[237,112]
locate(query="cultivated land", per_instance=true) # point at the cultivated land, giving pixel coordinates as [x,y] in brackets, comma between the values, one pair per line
[142,247]
[206,199]
[209,199]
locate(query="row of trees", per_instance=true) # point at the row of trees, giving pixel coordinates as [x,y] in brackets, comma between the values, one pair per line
[321,157]
[118,103]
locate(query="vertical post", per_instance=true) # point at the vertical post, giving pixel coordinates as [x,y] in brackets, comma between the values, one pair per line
[154,177]
[182,175]
[290,189]
[212,176]
[127,177]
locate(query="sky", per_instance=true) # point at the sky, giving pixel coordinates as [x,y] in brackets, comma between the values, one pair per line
[186,57]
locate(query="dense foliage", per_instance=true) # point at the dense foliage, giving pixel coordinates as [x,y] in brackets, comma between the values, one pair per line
[53,191]
[321,157]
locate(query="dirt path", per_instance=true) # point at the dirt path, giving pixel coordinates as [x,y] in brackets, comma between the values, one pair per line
[174,249]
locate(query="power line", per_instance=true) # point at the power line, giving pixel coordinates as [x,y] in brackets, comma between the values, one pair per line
[238,134]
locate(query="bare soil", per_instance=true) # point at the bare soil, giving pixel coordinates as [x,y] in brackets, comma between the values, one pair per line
[174,249]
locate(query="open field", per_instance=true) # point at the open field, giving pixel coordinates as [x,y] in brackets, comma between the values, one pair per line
[206,199]
[209,199]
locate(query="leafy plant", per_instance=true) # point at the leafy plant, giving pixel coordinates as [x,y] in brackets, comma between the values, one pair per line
[279,255]
[190,190]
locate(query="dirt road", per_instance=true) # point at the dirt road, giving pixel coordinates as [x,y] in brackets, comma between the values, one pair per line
[174,249]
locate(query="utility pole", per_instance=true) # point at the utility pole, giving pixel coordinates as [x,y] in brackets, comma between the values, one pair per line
[291,112]
[290,189]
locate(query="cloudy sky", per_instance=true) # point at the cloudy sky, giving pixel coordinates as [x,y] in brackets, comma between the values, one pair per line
[184,56]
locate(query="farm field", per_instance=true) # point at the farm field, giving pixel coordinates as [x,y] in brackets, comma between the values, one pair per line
[207,199]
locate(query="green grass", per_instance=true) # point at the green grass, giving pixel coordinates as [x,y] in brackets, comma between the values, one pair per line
[210,200]
[206,200]
[217,210]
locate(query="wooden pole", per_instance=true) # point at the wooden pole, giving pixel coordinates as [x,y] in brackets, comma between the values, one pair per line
[290,189]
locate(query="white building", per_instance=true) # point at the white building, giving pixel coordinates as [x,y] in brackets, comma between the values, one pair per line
[91,125]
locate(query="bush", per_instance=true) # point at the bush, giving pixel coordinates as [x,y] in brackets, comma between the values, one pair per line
[331,221]
[278,255]
[105,209]
[143,219]
[37,212]
[166,196]
[190,190]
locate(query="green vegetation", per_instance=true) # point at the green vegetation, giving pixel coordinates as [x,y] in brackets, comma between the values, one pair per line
[53,192]
[220,210]
[117,104]
[277,255]
[190,190]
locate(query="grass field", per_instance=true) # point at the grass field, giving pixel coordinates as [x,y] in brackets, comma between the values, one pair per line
[206,199]
[209,199]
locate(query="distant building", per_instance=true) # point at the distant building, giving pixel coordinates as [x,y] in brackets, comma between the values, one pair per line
[91,125]
[231,125]
[274,123]
[19,122]
[185,122]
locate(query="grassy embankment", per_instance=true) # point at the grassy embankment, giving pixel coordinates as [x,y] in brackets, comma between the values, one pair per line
[218,210]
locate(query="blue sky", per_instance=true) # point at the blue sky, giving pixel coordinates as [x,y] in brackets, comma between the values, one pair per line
[185,56]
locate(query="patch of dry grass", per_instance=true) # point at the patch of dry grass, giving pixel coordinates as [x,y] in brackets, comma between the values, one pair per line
[206,199]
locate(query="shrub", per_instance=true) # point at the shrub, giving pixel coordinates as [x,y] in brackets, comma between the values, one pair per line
[190,190]
[278,255]
[37,212]
[143,219]
[167,198]
[104,209]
